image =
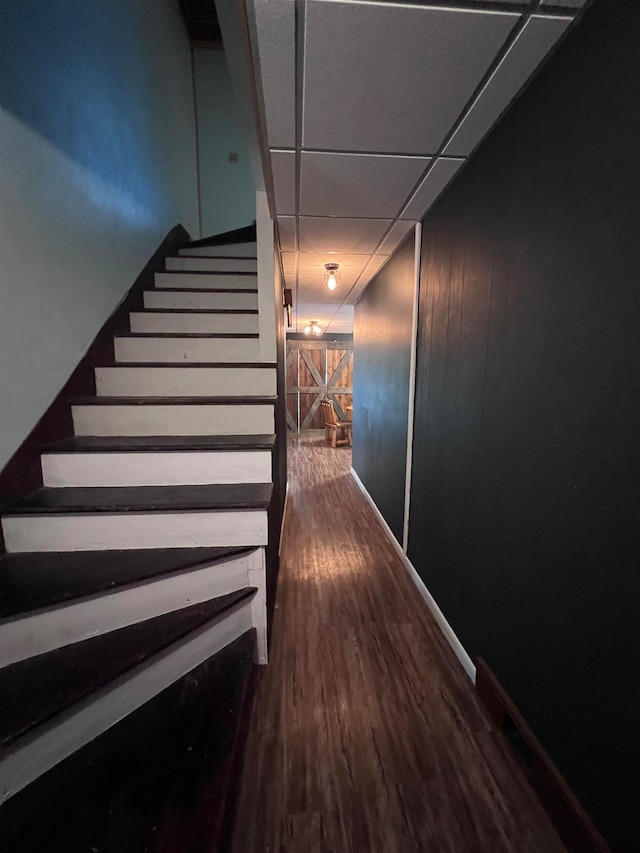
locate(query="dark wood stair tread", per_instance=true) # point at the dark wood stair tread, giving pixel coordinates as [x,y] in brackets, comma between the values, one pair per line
[201,290]
[160,780]
[197,364]
[92,499]
[150,443]
[210,272]
[195,311]
[213,257]
[173,401]
[34,580]
[39,688]
[180,335]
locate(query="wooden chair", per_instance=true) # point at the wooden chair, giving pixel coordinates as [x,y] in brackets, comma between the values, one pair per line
[332,426]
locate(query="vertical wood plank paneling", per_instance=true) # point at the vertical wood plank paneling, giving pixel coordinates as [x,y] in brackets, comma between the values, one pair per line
[310,415]
[293,356]
[340,376]
[383,344]
[432,338]
[452,477]
[320,367]
[525,471]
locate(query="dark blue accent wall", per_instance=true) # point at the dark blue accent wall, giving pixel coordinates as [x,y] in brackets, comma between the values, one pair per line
[382,342]
[525,498]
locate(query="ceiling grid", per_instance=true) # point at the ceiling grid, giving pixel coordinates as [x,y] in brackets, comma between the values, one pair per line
[372,107]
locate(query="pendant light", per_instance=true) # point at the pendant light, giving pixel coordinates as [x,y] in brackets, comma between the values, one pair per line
[312,328]
[331,275]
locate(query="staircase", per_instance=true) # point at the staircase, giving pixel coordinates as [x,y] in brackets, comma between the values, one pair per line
[139,567]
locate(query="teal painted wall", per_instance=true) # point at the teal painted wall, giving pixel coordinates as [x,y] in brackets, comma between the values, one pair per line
[382,338]
[227,191]
[525,487]
[97,164]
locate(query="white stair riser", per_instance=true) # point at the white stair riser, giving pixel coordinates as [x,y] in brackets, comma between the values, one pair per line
[208,324]
[186,349]
[185,381]
[206,264]
[237,250]
[114,531]
[158,468]
[170,299]
[193,281]
[173,420]
[89,617]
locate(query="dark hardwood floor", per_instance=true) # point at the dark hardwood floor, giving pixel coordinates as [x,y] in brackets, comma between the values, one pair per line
[366,734]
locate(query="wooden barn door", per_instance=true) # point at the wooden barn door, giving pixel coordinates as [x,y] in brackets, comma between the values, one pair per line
[316,370]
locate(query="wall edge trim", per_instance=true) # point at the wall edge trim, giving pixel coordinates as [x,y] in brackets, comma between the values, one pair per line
[417,237]
[449,634]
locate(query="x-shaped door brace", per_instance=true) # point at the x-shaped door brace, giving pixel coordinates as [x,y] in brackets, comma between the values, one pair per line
[324,391]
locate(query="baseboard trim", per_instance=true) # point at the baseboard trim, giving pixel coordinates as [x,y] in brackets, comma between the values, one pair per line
[450,635]
[567,814]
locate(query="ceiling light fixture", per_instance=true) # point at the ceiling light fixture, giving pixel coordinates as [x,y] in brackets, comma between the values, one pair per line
[331,275]
[312,328]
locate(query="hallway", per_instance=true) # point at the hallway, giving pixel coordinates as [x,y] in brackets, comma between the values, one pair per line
[366,735]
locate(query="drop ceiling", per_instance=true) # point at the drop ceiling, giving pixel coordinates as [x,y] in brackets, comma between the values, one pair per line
[370,109]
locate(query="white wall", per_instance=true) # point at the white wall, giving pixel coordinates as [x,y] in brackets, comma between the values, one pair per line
[97,164]
[227,190]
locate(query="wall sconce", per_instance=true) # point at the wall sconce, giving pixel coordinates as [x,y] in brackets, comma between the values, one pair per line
[331,275]
[312,328]
[287,304]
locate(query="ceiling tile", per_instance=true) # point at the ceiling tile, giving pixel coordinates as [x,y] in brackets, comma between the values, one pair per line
[317,294]
[340,235]
[289,260]
[313,289]
[310,277]
[399,231]
[523,57]
[391,78]
[367,185]
[275,22]
[316,280]
[331,318]
[312,263]
[374,266]
[287,232]
[439,176]
[283,166]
